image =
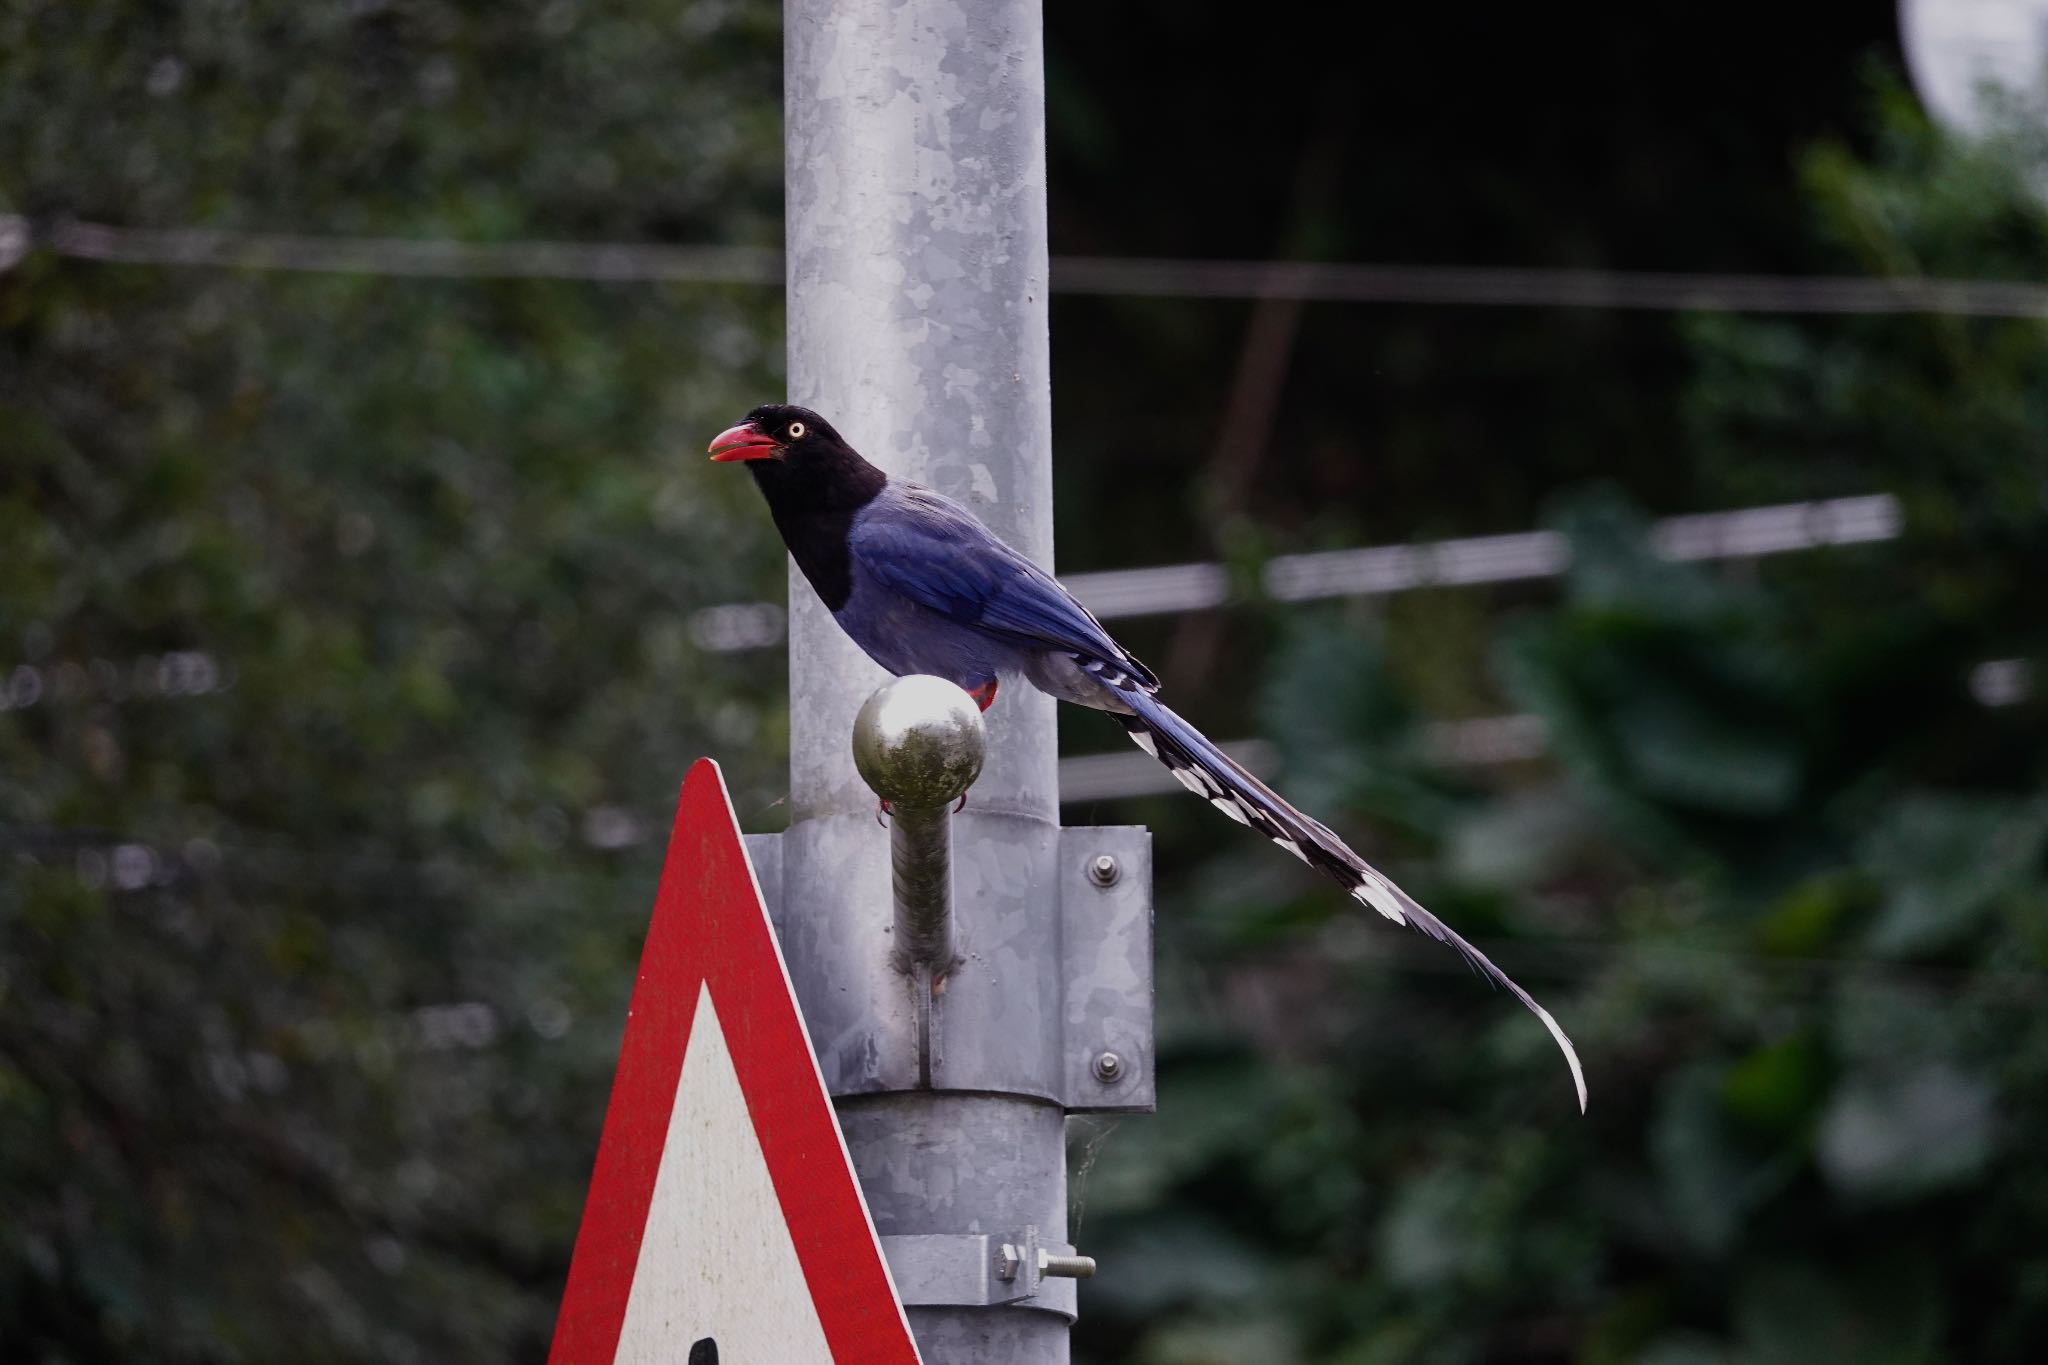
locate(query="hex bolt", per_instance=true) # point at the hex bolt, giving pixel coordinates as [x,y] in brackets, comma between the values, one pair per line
[1065,1267]
[1108,1068]
[1051,1265]
[1103,869]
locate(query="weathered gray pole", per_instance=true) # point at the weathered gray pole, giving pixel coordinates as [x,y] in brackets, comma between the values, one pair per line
[917,324]
[915,166]
[915,146]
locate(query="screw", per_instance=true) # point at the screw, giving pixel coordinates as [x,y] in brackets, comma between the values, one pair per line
[1109,1068]
[1103,869]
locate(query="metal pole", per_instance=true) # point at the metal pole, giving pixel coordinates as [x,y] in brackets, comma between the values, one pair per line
[915,167]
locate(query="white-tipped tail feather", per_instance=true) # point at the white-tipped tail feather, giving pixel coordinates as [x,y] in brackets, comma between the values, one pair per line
[1212,775]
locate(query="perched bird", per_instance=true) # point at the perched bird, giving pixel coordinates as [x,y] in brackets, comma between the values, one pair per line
[924,587]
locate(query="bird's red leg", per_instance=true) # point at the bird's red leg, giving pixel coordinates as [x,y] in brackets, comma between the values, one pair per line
[881,812]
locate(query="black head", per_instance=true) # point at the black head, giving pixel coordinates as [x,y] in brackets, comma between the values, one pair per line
[779,431]
[798,459]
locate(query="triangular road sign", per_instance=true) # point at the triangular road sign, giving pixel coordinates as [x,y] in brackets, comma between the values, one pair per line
[724,1223]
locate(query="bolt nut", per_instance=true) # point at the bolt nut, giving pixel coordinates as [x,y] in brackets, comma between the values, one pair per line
[1103,869]
[1009,1260]
[1108,1068]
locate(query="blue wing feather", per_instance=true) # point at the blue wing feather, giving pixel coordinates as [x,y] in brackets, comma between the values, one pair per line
[936,553]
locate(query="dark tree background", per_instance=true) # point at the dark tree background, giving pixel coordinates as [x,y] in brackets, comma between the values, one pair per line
[347,668]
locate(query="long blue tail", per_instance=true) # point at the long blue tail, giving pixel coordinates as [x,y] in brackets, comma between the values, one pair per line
[1212,775]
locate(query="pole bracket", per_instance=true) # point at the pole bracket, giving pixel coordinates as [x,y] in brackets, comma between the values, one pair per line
[1086,1045]
[982,1270]
[1105,888]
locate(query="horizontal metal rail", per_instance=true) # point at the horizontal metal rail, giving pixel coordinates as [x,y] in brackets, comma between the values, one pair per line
[1381,570]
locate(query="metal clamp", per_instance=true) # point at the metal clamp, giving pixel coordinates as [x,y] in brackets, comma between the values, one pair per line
[1106,944]
[980,1270]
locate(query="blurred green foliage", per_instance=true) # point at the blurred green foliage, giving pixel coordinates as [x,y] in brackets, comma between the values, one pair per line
[346,626]
[347,666]
[1781,876]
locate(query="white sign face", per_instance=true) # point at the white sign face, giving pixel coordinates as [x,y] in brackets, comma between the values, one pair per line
[716,1261]
[1955,48]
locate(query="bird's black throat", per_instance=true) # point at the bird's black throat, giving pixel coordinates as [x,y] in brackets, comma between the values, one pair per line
[813,493]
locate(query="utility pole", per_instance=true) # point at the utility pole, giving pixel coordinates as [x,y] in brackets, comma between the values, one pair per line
[917,323]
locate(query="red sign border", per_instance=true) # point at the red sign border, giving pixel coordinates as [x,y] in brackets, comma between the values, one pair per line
[710,925]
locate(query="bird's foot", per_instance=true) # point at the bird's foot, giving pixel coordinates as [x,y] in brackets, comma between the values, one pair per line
[961,804]
[984,695]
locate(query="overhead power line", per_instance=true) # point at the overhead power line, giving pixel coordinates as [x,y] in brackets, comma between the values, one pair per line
[1518,287]
[1323,282]
[412,256]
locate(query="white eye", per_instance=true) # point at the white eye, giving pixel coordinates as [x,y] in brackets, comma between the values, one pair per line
[796,431]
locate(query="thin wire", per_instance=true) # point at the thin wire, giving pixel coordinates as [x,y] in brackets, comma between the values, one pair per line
[1321,282]
[414,257]
[1514,287]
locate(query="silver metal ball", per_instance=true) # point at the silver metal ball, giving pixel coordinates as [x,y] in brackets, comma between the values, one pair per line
[919,741]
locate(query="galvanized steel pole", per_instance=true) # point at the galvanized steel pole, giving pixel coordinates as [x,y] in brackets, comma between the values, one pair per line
[915,165]
[917,324]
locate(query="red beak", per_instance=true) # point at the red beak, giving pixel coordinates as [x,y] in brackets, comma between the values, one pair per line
[743,442]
